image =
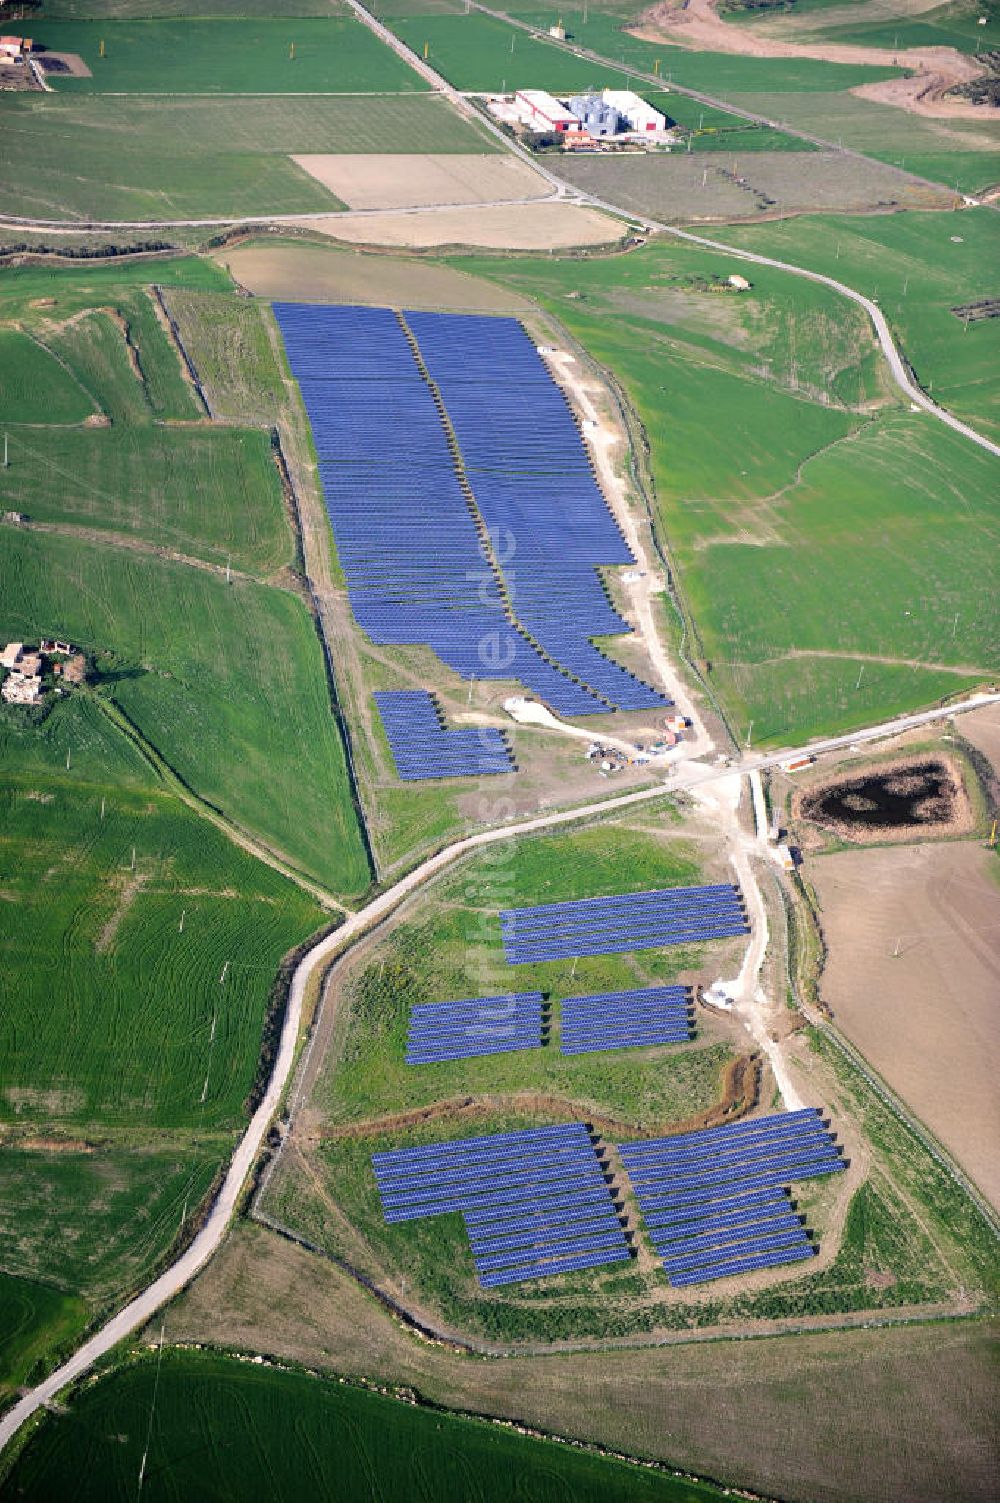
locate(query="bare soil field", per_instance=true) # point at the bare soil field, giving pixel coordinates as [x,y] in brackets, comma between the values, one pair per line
[719,186]
[324,274]
[828,1417]
[913,978]
[541,226]
[696,24]
[410,182]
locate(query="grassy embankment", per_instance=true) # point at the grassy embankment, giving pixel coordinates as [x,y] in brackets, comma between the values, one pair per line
[818,528]
[223,1429]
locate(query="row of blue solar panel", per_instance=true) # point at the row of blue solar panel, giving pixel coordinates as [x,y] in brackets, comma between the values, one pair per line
[521,955]
[534,1202]
[622,900]
[714,1139]
[422,747]
[715,1201]
[379,453]
[546,1267]
[759,1150]
[645,908]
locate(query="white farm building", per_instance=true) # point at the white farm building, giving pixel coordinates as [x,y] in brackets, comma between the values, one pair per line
[640,115]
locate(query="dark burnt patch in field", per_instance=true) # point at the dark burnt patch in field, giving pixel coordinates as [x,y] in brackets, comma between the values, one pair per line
[911,797]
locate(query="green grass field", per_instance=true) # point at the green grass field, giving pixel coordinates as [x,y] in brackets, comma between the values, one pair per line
[450,947]
[222,1429]
[227,682]
[919,266]
[33,1319]
[143,158]
[839,564]
[474,52]
[32,383]
[335,54]
[215,675]
[96,1221]
[113,1010]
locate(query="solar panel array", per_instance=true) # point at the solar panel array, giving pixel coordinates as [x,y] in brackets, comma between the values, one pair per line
[412,543]
[716,1203]
[628,921]
[422,746]
[626,1020]
[477,1025]
[535,1202]
[534,485]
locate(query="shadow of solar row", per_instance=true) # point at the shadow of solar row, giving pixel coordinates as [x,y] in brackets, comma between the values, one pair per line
[717,1202]
[423,747]
[625,1020]
[626,921]
[478,1025]
[535,1203]
[534,486]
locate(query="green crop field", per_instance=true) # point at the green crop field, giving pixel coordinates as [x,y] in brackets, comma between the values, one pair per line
[125,10]
[226,681]
[960,154]
[142,158]
[222,1429]
[34,1318]
[111,1005]
[140,950]
[919,267]
[335,54]
[33,383]
[97,1220]
[838,556]
[474,52]
[214,674]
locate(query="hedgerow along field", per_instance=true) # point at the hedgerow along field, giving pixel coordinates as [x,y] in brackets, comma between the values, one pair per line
[200,55]
[142,158]
[837,554]
[223,1428]
[919,267]
[217,676]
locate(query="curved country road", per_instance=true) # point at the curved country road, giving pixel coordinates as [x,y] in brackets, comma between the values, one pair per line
[141,1309]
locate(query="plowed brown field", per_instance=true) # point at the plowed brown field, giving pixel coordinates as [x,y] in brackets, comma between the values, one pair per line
[913,979]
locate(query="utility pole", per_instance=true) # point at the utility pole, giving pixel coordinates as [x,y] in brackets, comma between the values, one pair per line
[857,686]
[6,459]
[180,926]
[102,808]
